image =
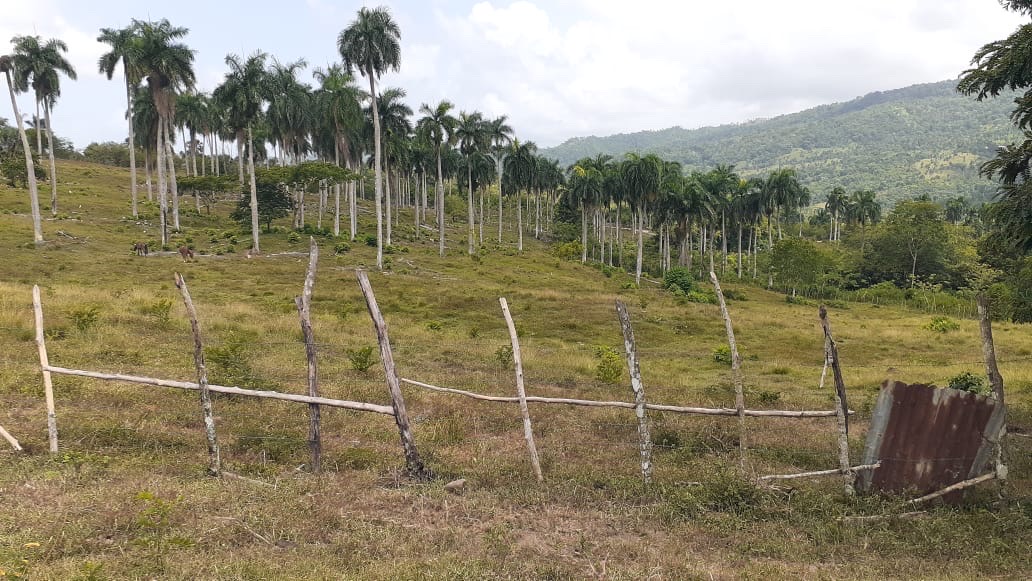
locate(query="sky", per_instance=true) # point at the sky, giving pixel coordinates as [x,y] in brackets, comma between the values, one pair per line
[556,68]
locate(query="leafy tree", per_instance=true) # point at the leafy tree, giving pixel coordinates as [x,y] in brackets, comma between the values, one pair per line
[799,263]
[38,65]
[273,201]
[372,43]
[120,40]
[7,66]
[912,242]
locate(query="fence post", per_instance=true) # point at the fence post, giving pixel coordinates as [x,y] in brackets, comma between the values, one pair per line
[10,439]
[528,432]
[985,325]
[841,405]
[644,439]
[44,363]
[413,462]
[304,304]
[736,365]
[214,460]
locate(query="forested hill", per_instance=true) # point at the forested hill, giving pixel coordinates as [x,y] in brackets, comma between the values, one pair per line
[922,139]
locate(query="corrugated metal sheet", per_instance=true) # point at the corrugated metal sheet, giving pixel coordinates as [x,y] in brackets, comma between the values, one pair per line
[927,438]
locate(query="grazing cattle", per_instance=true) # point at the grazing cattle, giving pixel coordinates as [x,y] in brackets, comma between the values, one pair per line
[140,248]
[185,253]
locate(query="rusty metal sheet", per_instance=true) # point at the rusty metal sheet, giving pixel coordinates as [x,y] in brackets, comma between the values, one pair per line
[927,438]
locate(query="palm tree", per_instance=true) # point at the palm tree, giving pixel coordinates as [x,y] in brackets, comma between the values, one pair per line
[519,167]
[372,43]
[190,115]
[120,40]
[585,189]
[145,129]
[243,92]
[290,105]
[395,127]
[167,66]
[641,176]
[472,140]
[6,66]
[836,204]
[340,100]
[438,128]
[38,64]
[865,209]
[499,135]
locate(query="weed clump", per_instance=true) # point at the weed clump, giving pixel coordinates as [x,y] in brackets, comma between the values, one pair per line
[970,382]
[610,364]
[85,318]
[942,325]
[361,359]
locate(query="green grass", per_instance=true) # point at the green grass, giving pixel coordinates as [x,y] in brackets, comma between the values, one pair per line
[127,496]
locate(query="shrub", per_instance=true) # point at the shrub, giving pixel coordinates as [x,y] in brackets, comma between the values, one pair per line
[474,332]
[722,354]
[293,237]
[231,363]
[704,297]
[361,359]
[942,325]
[160,309]
[370,240]
[504,356]
[610,364]
[85,318]
[770,397]
[434,326]
[970,382]
[341,247]
[568,251]
[679,278]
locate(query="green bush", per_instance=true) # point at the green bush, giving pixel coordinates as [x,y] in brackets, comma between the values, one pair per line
[231,362]
[84,318]
[722,354]
[679,278]
[361,359]
[610,364]
[970,382]
[293,237]
[942,325]
[568,251]
[434,326]
[160,309]
[504,356]
[341,248]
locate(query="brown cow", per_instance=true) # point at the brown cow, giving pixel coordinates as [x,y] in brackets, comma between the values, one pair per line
[185,253]
[140,248]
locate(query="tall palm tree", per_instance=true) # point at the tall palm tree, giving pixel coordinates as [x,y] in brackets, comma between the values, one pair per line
[438,128]
[120,40]
[585,188]
[865,209]
[243,92]
[395,128]
[519,169]
[290,107]
[6,66]
[340,100]
[167,66]
[145,128]
[472,141]
[37,65]
[499,134]
[836,205]
[641,176]
[372,43]
[190,115]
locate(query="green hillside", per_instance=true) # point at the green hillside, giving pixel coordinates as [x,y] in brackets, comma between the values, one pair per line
[922,139]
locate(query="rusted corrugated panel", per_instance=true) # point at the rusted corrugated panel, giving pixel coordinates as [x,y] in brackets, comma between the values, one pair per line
[927,438]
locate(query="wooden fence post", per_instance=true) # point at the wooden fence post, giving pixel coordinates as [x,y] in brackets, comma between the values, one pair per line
[44,363]
[644,438]
[304,304]
[528,432]
[10,439]
[413,462]
[985,325]
[841,405]
[214,460]
[736,366]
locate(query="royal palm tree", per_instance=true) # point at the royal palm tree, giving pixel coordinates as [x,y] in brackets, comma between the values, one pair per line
[395,128]
[6,66]
[641,177]
[438,128]
[472,140]
[38,65]
[120,41]
[865,209]
[243,92]
[499,135]
[836,204]
[190,115]
[340,100]
[584,191]
[167,66]
[372,44]
[290,107]
[520,164]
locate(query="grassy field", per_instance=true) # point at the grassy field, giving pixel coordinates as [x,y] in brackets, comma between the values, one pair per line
[127,496]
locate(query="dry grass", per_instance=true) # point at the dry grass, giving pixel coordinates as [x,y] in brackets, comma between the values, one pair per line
[127,498]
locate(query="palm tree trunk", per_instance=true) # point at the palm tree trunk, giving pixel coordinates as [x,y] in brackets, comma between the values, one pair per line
[472,217]
[619,235]
[537,214]
[481,227]
[641,227]
[584,233]
[30,168]
[377,184]
[254,192]
[147,169]
[53,165]
[132,144]
[336,189]
[387,198]
[723,241]
[353,208]
[173,186]
[39,136]
[186,146]
[519,222]
[159,161]
[439,203]
[739,250]
[240,157]
[778,219]
[500,169]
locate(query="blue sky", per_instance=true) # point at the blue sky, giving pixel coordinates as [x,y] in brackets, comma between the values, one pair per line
[560,68]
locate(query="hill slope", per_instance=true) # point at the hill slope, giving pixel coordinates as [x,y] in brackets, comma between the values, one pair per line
[922,139]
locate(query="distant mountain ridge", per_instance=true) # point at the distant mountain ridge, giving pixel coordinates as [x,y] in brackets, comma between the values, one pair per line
[902,143]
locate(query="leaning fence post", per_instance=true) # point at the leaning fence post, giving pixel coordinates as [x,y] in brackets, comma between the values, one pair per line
[736,367]
[841,405]
[44,363]
[644,439]
[10,439]
[214,460]
[413,462]
[528,431]
[985,325]
[304,304]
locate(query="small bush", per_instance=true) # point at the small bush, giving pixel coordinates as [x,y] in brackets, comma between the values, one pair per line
[942,325]
[568,251]
[474,332]
[341,248]
[704,297]
[370,240]
[293,237]
[434,326]
[84,318]
[722,354]
[770,397]
[504,356]
[361,359]
[231,362]
[610,364]
[160,309]
[970,382]
[679,278]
